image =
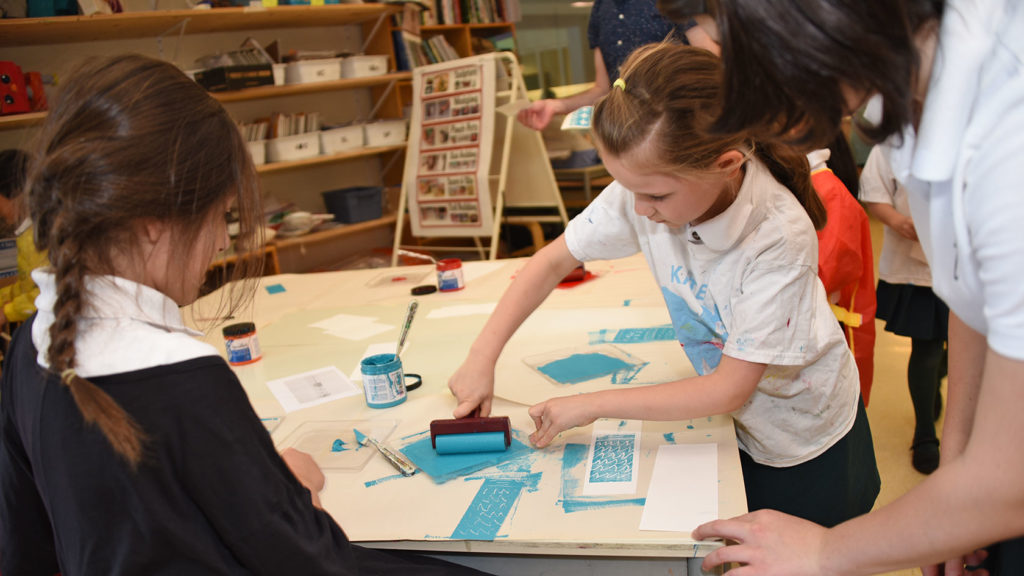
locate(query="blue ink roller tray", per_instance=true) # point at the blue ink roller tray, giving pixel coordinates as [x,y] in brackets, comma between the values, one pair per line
[471,435]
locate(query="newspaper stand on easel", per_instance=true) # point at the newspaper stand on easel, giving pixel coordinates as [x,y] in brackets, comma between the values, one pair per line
[462,137]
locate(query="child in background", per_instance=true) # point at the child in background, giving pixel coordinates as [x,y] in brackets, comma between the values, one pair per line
[127,445]
[906,302]
[846,263]
[18,300]
[735,254]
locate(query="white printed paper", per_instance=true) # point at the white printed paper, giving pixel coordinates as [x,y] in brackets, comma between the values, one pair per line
[684,488]
[613,460]
[312,388]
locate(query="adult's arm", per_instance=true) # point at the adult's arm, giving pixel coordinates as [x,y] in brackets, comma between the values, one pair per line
[539,114]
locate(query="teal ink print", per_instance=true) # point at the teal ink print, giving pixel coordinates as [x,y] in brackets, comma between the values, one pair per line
[572,500]
[613,458]
[372,483]
[582,367]
[488,510]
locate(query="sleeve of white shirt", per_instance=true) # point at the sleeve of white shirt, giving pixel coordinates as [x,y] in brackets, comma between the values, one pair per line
[876,179]
[605,229]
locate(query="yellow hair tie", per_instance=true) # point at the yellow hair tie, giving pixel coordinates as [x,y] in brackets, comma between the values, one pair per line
[67,376]
[620,84]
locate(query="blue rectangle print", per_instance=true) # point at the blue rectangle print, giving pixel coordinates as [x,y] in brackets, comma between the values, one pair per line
[489,509]
[613,458]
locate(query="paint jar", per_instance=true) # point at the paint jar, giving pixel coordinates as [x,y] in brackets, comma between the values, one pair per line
[241,343]
[449,275]
[383,380]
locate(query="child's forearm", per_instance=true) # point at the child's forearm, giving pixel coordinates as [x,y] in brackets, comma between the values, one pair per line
[533,283]
[884,213]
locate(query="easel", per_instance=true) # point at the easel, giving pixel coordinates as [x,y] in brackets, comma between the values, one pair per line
[532,189]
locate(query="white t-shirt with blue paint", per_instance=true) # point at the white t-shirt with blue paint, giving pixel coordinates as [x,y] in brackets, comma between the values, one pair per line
[745,284]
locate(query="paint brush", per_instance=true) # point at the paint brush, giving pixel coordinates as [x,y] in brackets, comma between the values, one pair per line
[405,327]
[394,458]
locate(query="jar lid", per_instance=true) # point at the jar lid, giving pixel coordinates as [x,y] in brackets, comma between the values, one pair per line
[449,264]
[240,329]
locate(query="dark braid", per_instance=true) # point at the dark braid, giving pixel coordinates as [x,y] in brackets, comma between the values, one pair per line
[129,141]
[791,169]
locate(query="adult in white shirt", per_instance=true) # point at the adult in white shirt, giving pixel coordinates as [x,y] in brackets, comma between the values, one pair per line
[952,98]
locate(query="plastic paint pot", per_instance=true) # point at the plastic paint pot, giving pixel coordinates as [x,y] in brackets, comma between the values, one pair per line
[383,380]
[242,345]
[449,275]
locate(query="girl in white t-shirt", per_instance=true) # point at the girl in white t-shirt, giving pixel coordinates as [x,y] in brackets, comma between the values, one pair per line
[906,301]
[735,255]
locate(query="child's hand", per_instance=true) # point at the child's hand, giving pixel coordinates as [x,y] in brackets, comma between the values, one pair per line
[538,115]
[556,415]
[473,386]
[906,229]
[306,471]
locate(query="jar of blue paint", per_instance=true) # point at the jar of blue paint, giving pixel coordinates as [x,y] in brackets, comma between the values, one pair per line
[383,380]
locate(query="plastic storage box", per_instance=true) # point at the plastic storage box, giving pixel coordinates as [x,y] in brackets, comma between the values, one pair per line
[295,147]
[305,71]
[385,132]
[364,65]
[358,204]
[341,139]
[258,151]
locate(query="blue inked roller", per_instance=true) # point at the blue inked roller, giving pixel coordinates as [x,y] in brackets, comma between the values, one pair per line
[471,435]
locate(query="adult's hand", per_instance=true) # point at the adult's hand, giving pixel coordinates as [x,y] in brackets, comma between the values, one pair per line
[767,543]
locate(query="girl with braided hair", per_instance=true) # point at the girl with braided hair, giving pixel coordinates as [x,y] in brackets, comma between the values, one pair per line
[127,446]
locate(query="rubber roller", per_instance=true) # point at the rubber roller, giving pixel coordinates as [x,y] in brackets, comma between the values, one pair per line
[471,435]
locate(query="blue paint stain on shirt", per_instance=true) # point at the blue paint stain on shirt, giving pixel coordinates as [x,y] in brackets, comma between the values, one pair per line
[702,336]
[582,367]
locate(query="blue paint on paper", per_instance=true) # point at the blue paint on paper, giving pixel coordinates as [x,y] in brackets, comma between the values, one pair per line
[490,507]
[613,458]
[582,367]
[633,335]
[444,467]
[275,289]
[573,469]
[670,437]
[627,302]
[372,483]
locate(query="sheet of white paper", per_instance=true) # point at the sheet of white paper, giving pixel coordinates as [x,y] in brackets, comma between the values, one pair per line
[684,488]
[462,310]
[613,460]
[351,327]
[378,348]
[312,388]
[473,270]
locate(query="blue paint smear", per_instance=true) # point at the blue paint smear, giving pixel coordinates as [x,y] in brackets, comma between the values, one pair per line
[372,483]
[488,511]
[339,446]
[582,367]
[627,302]
[275,289]
[670,437]
[632,335]
[442,468]
[613,458]
[572,500]
[689,426]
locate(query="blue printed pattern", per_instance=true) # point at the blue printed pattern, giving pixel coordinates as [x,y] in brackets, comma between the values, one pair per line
[702,336]
[572,498]
[491,505]
[613,458]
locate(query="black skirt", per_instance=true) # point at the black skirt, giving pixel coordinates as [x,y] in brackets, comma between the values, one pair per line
[912,311]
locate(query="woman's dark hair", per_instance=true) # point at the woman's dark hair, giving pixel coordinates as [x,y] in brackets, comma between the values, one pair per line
[842,163]
[130,140]
[787,61]
[671,94]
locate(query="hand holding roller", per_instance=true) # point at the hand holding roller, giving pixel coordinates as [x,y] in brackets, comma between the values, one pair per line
[472,434]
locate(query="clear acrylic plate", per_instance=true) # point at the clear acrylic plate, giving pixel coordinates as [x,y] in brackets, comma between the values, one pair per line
[332,443]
